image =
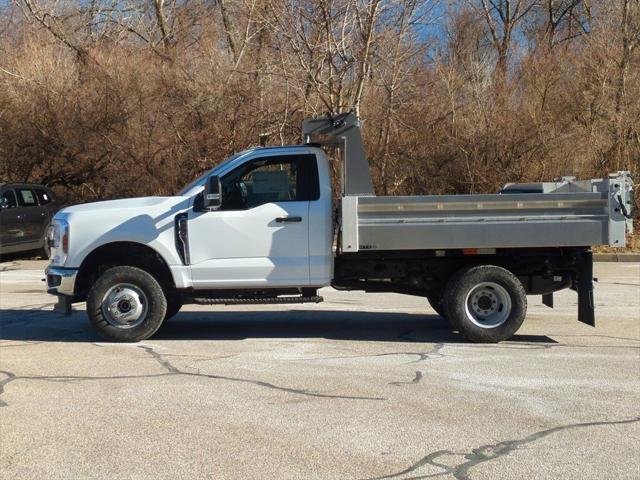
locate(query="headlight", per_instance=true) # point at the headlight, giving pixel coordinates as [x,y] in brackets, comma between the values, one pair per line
[58,238]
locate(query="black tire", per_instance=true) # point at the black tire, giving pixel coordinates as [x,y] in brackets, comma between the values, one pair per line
[155,304]
[437,303]
[45,251]
[174,304]
[504,298]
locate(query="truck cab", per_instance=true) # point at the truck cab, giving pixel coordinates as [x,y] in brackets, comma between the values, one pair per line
[272,227]
[270,234]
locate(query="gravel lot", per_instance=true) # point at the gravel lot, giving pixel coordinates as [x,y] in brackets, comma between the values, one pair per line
[358,387]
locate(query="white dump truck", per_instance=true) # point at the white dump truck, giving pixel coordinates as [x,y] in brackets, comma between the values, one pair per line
[261,228]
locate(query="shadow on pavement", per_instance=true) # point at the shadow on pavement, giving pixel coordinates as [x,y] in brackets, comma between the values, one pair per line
[40,325]
[28,255]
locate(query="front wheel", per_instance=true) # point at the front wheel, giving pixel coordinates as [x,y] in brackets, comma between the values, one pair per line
[486,303]
[126,304]
[174,304]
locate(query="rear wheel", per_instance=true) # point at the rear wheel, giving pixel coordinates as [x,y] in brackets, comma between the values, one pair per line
[486,303]
[126,304]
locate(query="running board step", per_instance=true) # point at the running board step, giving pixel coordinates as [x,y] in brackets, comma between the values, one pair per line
[256,300]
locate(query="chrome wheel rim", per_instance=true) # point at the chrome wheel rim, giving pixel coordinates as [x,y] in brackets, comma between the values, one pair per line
[488,305]
[125,306]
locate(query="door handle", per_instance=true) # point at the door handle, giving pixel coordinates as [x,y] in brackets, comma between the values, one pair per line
[288,219]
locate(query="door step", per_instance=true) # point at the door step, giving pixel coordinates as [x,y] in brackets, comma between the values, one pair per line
[257,300]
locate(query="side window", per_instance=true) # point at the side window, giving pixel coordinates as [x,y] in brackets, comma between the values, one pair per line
[10,197]
[44,197]
[271,182]
[26,197]
[287,178]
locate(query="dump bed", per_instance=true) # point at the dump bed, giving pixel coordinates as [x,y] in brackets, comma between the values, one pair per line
[566,213]
[571,214]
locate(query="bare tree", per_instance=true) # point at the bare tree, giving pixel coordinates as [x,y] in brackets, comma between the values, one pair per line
[455,97]
[502,17]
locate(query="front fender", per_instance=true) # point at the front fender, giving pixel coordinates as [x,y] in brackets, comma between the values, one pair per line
[153,228]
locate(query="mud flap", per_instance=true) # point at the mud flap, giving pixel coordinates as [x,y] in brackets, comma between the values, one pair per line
[63,305]
[547,299]
[583,284]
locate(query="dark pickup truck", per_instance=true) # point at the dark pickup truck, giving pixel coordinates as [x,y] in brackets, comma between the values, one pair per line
[25,213]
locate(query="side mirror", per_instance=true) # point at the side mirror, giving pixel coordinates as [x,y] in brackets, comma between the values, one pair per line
[212,197]
[4,203]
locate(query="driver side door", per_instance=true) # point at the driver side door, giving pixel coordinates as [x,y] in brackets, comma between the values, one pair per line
[260,236]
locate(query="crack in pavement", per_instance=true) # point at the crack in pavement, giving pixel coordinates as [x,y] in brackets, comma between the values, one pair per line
[175,371]
[416,379]
[78,378]
[65,379]
[436,351]
[10,378]
[170,371]
[486,453]
[210,359]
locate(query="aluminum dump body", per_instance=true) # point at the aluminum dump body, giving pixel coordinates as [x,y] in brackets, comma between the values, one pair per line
[573,214]
[564,213]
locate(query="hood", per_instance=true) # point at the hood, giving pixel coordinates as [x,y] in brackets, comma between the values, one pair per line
[139,203]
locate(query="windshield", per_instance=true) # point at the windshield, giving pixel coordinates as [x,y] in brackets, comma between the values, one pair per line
[200,179]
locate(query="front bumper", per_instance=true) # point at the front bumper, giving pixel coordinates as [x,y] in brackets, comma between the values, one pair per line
[61,281]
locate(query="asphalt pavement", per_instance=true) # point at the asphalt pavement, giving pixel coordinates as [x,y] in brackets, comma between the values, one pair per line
[362,386]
